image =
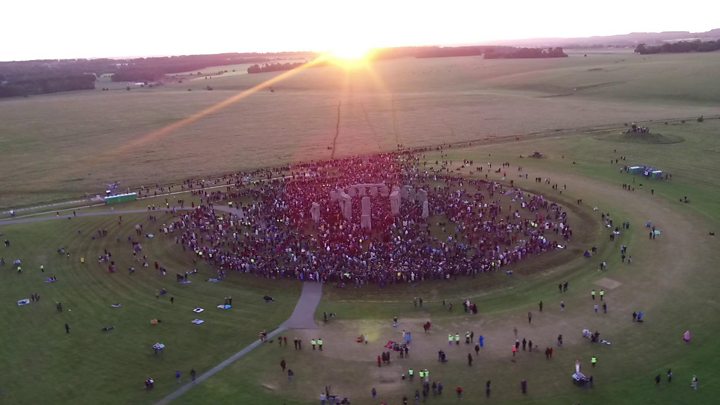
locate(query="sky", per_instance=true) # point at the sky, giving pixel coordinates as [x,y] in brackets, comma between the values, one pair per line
[39,29]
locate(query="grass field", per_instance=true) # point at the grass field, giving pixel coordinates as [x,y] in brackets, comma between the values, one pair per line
[66,145]
[570,110]
[41,361]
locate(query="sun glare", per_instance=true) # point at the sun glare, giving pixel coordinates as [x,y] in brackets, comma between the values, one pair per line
[349,55]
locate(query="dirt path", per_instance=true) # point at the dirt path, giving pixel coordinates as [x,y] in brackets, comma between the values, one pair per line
[301,318]
[31,220]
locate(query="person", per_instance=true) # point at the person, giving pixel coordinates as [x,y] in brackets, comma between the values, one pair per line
[67,328]
[481,341]
[477,349]
[320,343]
[605,307]
[694,383]
[529,317]
[373,392]
[540,305]
[562,305]
[283,364]
[657,379]
[669,375]
[602,294]
[312,343]
[470,359]
[592,294]
[192,374]
[487,389]
[559,340]
[459,391]
[290,374]
[178,375]
[523,386]
[593,361]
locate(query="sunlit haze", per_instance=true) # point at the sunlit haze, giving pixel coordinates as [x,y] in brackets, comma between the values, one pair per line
[36,29]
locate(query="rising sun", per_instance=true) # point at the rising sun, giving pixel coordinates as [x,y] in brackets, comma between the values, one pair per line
[349,55]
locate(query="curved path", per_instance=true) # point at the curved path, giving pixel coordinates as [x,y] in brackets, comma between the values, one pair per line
[30,220]
[303,316]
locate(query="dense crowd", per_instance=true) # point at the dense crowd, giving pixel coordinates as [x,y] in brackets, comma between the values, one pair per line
[475,226]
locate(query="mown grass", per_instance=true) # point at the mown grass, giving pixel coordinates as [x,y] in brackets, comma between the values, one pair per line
[65,146]
[40,361]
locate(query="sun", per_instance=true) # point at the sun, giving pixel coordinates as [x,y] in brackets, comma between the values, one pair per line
[349,55]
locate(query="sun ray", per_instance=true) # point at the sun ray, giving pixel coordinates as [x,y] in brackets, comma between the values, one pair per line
[168,129]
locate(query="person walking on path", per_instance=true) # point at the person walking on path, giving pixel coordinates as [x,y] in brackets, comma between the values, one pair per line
[657,380]
[602,294]
[67,328]
[283,364]
[540,305]
[290,374]
[178,375]
[470,359]
[523,386]
[487,389]
[477,350]
[592,294]
[192,374]
[529,317]
[562,306]
[669,375]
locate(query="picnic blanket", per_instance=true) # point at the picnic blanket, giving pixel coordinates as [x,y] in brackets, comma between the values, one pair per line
[224,306]
[24,301]
[390,344]
[198,321]
[198,310]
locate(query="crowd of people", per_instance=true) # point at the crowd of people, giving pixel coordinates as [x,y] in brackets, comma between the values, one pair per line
[475,226]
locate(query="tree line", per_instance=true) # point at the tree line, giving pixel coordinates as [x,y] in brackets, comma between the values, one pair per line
[679,47]
[23,78]
[274,67]
[525,53]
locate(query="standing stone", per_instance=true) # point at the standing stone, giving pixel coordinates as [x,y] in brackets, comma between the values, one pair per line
[345,203]
[315,212]
[395,201]
[334,194]
[384,191]
[365,221]
[404,192]
[361,190]
[352,192]
[421,196]
[373,191]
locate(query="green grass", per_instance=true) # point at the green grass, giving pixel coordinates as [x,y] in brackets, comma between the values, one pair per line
[65,146]
[41,361]
[672,279]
